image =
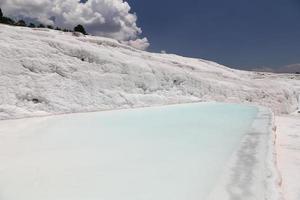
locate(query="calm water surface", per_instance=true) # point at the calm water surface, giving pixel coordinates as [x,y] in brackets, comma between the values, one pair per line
[161,153]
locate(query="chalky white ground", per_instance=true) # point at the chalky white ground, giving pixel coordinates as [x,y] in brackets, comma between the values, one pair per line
[45,72]
[288,150]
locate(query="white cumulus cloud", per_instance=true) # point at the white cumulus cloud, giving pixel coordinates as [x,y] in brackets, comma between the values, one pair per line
[141,44]
[110,18]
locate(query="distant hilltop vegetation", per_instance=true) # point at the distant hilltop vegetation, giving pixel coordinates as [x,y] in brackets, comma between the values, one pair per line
[21,22]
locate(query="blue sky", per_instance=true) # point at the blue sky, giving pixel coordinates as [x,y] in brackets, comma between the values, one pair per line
[239,33]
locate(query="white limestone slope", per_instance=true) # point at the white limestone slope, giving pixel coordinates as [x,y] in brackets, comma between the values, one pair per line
[50,72]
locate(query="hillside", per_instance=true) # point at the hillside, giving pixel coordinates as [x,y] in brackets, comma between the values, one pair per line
[46,72]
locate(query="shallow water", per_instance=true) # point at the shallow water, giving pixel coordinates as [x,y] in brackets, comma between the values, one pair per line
[169,153]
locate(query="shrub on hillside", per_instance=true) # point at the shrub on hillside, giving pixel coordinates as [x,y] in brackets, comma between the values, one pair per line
[31,25]
[66,30]
[41,26]
[79,28]
[21,23]
[7,20]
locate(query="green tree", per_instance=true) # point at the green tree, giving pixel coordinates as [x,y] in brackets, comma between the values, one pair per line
[32,25]
[80,28]
[66,30]
[21,23]
[1,14]
[7,20]
[41,26]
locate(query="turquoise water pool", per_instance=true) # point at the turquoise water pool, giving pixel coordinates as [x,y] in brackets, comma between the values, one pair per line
[170,153]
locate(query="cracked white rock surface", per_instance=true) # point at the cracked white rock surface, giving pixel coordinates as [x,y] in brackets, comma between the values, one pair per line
[45,72]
